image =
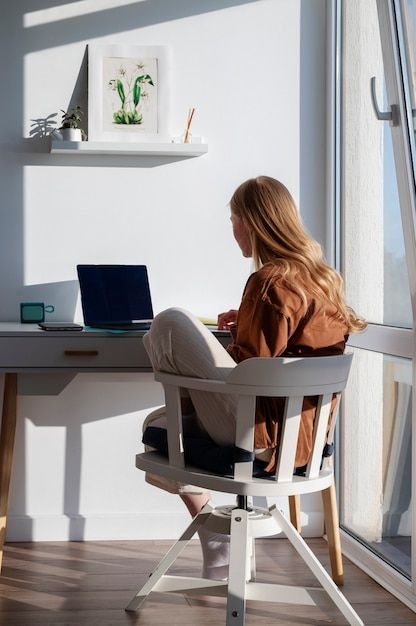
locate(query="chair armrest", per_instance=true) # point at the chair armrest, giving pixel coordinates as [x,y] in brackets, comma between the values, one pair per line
[188,382]
[220,386]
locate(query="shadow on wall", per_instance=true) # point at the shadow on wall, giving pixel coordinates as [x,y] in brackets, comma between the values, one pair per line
[62,296]
[96,398]
[43,127]
[312,137]
[19,39]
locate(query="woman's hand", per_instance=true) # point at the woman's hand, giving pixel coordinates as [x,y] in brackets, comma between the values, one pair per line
[225,320]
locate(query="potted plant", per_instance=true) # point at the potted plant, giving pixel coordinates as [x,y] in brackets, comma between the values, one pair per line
[69,129]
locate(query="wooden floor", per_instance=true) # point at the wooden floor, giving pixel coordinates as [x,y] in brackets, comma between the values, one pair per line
[88,584]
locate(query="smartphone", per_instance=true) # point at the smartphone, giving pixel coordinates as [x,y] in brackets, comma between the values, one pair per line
[59,326]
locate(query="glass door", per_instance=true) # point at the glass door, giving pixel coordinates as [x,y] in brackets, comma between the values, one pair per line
[378,260]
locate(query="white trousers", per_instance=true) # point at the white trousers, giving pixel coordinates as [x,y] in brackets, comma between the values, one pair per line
[179,343]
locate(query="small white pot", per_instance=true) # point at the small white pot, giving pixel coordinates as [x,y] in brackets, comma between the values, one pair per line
[68,134]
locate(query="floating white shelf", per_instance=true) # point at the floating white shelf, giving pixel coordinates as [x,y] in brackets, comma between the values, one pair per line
[132,149]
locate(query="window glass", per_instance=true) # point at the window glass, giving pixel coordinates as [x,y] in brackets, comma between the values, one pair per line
[376,459]
[373,256]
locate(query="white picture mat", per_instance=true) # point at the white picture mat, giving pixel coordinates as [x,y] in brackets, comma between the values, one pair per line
[128,133]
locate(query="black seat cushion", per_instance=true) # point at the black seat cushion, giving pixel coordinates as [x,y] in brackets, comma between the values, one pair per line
[200,450]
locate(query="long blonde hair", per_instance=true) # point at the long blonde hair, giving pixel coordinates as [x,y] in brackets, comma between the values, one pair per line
[278,236]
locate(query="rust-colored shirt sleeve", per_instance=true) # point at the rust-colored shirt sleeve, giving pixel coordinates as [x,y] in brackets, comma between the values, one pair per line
[262,328]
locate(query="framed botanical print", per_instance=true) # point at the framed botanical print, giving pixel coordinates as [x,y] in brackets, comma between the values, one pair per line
[128,93]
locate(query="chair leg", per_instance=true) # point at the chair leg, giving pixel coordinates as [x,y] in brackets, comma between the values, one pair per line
[294,511]
[316,568]
[329,499]
[237,579]
[170,558]
[251,562]
[253,571]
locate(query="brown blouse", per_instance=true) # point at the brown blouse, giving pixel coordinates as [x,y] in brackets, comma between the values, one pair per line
[271,322]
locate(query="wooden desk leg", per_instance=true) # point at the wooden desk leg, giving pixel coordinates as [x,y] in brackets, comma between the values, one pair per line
[294,511]
[329,499]
[8,429]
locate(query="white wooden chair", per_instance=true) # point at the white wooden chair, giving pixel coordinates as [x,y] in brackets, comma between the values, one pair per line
[275,377]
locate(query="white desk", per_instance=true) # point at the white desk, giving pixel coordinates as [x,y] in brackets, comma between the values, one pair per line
[24,348]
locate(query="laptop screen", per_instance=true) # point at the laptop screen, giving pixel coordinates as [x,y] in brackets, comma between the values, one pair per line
[114,294]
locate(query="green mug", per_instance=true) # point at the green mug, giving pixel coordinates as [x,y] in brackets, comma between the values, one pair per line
[34,312]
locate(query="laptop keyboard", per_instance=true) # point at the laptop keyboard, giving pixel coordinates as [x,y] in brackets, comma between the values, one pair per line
[126,326]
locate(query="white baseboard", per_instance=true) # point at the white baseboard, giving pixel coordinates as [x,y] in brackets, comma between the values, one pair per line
[168,525]
[95,527]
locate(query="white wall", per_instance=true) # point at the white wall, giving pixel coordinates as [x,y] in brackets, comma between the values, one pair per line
[246,66]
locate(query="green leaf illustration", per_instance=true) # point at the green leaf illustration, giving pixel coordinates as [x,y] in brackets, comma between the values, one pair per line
[127,117]
[136,118]
[136,91]
[118,117]
[145,78]
[120,90]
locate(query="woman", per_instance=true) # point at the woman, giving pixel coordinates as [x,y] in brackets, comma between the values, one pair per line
[292,305]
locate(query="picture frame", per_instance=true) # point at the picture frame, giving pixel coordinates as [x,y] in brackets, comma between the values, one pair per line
[128,93]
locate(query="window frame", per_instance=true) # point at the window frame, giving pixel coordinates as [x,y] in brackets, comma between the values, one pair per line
[380,338]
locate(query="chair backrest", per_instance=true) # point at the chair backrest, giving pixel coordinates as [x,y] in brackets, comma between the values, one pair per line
[289,378]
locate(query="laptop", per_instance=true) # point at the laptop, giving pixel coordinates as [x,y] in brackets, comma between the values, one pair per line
[115,297]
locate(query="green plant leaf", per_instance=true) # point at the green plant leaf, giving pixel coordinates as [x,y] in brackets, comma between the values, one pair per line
[118,117]
[72,117]
[136,91]
[135,117]
[145,78]
[127,117]
[120,90]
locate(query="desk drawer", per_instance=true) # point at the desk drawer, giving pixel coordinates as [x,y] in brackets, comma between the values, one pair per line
[113,352]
